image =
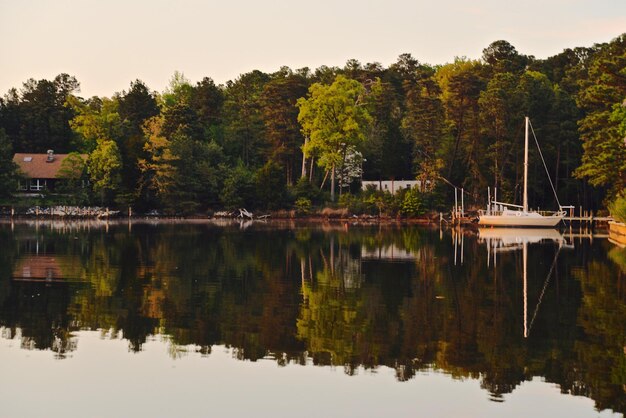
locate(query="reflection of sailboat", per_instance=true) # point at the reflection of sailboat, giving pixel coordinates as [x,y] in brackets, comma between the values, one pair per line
[500,214]
[502,240]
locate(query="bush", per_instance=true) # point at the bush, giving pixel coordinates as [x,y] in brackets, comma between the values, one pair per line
[618,207]
[270,187]
[239,189]
[306,190]
[412,203]
[303,206]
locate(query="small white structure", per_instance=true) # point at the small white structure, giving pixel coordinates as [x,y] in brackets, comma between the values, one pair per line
[392,186]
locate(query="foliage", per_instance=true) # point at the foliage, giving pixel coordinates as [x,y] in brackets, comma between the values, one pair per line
[618,207]
[270,187]
[37,119]
[602,93]
[411,204]
[334,120]
[8,169]
[460,122]
[72,176]
[303,206]
[104,167]
[239,189]
[305,189]
[280,117]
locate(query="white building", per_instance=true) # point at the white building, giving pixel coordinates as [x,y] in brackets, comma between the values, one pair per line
[392,186]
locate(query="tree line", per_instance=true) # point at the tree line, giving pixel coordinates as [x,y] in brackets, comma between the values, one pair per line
[294,137]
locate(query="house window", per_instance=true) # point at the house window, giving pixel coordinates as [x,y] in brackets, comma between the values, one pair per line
[22,186]
[37,184]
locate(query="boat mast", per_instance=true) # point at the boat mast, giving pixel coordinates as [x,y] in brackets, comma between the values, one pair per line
[526,167]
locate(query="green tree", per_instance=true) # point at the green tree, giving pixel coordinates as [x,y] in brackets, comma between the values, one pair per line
[245,130]
[208,102]
[461,83]
[135,107]
[239,189]
[387,153]
[601,94]
[280,116]
[502,57]
[502,117]
[8,169]
[37,118]
[334,119]
[72,174]
[424,124]
[105,167]
[94,119]
[270,186]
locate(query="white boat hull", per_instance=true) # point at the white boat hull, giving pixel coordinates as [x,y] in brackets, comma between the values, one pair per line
[520,219]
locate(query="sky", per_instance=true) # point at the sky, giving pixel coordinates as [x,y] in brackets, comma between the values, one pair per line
[108,44]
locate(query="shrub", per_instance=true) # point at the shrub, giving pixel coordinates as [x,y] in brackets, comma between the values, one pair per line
[412,203]
[618,207]
[303,206]
[305,189]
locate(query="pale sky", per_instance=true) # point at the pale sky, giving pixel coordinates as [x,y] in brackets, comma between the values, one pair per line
[106,44]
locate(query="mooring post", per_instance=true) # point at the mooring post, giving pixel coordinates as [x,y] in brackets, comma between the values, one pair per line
[462,204]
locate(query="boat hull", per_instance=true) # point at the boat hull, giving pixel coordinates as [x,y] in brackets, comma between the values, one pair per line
[524,220]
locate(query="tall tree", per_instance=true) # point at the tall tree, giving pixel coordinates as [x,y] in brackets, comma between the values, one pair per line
[37,119]
[502,57]
[105,168]
[334,119]
[461,83]
[8,169]
[135,107]
[501,119]
[245,136]
[604,89]
[207,100]
[95,119]
[424,124]
[280,116]
[387,152]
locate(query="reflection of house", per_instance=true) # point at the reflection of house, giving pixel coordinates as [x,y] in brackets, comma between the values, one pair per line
[392,186]
[48,268]
[37,268]
[388,253]
[40,171]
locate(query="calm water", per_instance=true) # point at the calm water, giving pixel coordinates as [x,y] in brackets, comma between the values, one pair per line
[196,319]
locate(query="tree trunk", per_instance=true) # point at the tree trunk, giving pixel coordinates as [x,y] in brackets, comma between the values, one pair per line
[306,140]
[332,184]
[311,170]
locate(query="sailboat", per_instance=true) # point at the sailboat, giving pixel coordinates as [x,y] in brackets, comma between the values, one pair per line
[510,215]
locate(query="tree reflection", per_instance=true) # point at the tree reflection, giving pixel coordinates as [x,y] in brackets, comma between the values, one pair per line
[334,296]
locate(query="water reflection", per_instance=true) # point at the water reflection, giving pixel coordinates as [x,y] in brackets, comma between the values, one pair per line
[330,295]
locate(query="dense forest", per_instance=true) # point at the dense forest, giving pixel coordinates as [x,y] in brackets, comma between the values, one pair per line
[294,137]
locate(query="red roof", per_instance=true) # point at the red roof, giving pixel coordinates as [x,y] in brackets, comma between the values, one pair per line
[36,166]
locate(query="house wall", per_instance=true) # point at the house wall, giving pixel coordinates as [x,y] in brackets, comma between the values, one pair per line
[392,186]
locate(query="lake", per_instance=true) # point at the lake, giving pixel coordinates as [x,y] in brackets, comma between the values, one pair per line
[200,318]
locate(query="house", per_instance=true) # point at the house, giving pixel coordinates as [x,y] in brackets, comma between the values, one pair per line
[40,171]
[393,186]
